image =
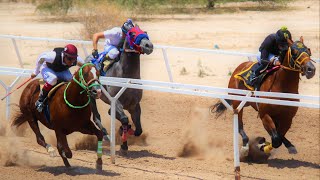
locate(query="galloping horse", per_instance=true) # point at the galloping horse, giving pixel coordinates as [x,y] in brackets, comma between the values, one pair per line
[69,111]
[276,119]
[129,67]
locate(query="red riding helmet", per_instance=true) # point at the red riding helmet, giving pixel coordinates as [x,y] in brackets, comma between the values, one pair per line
[71,51]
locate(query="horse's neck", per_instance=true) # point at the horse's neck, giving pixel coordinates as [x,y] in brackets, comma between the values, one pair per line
[130,64]
[73,94]
[288,80]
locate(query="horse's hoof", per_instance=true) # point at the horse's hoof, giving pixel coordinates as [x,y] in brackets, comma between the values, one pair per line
[292,150]
[123,152]
[244,151]
[99,165]
[51,151]
[137,133]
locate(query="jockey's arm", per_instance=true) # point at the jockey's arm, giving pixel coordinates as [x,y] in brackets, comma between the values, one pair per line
[96,38]
[44,57]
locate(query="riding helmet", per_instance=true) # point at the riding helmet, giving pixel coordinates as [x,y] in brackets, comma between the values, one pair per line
[127,26]
[282,35]
[71,50]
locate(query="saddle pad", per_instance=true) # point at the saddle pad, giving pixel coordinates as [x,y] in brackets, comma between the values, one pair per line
[246,74]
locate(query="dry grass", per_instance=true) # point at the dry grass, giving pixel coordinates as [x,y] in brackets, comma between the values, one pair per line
[99,18]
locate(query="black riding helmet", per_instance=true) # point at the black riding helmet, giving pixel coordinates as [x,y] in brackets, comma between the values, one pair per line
[281,37]
[127,26]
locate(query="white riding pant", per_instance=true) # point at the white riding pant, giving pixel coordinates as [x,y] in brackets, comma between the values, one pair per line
[51,77]
[271,56]
[112,51]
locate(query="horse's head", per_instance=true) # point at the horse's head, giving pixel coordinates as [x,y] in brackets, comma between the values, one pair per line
[88,78]
[138,41]
[298,59]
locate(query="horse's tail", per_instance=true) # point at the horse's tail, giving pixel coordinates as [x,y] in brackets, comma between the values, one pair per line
[20,118]
[219,108]
[25,112]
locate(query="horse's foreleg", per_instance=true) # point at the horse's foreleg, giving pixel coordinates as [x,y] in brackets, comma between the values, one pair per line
[40,139]
[97,118]
[271,129]
[63,148]
[135,116]
[92,130]
[245,139]
[283,129]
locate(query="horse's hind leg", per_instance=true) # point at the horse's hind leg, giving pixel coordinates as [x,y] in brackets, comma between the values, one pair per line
[123,118]
[63,148]
[92,130]
[40,139]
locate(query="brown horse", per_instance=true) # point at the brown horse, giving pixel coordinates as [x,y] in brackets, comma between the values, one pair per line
[276,119]
[69,111]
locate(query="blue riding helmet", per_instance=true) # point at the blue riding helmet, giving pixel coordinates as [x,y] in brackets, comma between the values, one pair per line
[127,26]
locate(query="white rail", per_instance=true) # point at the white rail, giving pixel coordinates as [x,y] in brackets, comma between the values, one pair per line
[188,89]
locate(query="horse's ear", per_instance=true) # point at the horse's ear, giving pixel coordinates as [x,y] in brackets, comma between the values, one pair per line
[309,50]
[290,42]
[301,39]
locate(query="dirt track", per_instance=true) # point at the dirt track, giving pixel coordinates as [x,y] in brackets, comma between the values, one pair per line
[173,122]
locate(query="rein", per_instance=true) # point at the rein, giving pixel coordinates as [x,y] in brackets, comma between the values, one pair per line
[84,85]
[296,66]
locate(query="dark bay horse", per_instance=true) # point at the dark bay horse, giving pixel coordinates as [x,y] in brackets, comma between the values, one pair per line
[276,119]
[129,67]
[69,111]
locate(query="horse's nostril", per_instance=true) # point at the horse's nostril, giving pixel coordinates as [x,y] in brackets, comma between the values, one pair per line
[309,70]
[94,91]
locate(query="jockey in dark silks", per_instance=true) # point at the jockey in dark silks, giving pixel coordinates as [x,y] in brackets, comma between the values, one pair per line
[274,47]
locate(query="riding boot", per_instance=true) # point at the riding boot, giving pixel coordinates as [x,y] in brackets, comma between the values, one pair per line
[257,72]
[107,62]
[42,97]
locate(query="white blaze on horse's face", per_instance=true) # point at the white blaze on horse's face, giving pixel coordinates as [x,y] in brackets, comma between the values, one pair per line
[94,73]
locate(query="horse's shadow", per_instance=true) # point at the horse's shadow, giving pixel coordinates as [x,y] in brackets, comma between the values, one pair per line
[75,171]
[291,163]
[145,153]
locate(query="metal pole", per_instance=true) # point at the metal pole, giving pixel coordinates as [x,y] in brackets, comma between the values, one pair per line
[84,50]
[164,52]
[7,104]
[112,129]
[17,51]
[235,145]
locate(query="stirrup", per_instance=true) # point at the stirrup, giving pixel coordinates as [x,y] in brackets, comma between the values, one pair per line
[39,106]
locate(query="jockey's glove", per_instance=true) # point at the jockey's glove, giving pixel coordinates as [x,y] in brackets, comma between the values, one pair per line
[95,53]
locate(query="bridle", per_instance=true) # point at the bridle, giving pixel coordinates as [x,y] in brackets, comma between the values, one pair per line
[83,84]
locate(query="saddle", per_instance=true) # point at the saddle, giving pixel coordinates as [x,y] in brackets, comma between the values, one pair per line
[46,109]
[249,79]
[102,63]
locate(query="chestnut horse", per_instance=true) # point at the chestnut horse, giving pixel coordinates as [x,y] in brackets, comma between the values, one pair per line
[69,111]
[276,119]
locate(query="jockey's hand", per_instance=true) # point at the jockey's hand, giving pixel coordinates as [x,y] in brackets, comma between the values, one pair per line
[33,75]
[275,61]
[95,53]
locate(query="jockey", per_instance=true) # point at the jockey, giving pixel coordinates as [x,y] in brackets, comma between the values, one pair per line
[113,38]
[273,48]
[55,65]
